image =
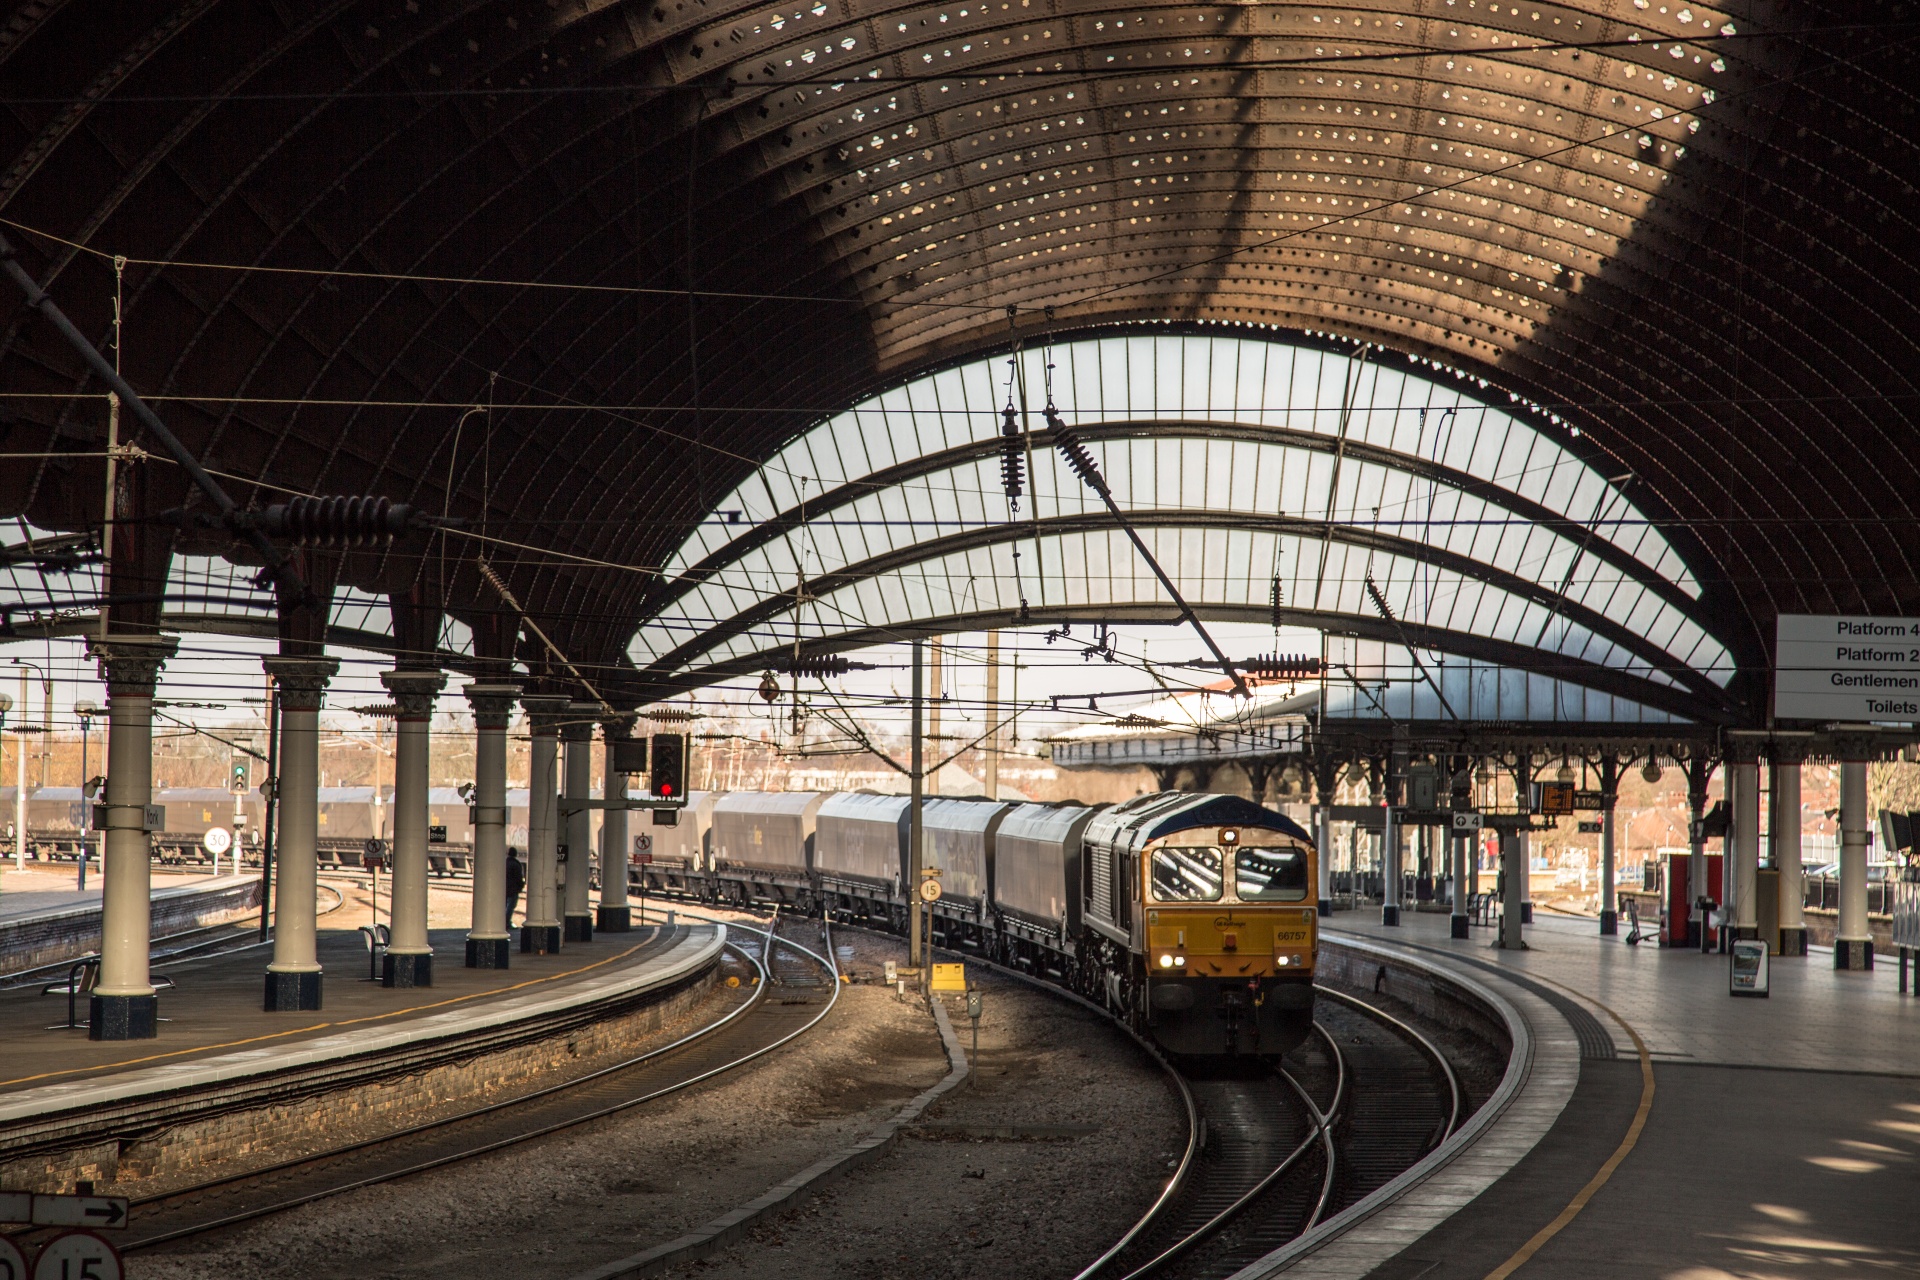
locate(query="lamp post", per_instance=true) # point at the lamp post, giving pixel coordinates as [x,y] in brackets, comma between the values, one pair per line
[85,712]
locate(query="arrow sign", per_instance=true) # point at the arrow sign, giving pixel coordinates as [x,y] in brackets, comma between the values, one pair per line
[79,1211]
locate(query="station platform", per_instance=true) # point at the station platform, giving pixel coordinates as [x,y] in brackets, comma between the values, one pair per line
[45,919]
[1704,1136]
[214,1035]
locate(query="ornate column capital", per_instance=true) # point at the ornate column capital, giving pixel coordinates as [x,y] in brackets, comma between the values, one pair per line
[1743,746]
[545,712]
[1854,744]
[578,725]
[492,704]
[618,725]
[413,691]
[1790,748]
[302,682]
[130,665]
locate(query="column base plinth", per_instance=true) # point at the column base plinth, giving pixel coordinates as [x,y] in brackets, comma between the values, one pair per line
[292,992]
[1853,953]
[614,919]
[1745,932]
[1793,941]
[489,953]
[1609,924]
[578,928]
[123,1017]
[1526,913]
[407,969]
[1389,914]
[539,939]
[1459,928]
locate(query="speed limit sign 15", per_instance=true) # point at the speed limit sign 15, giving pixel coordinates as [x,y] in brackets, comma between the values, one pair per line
[77,1255]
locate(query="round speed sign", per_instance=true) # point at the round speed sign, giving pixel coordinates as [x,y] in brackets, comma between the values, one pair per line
[77,1255]
[929,891]
[217,840]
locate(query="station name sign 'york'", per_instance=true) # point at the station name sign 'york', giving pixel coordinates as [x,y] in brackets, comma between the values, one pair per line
[1846,669]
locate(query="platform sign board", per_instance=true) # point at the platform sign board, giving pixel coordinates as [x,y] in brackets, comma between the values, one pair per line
[1747,968]
[1466,822]
[1846,669]
[77,1255]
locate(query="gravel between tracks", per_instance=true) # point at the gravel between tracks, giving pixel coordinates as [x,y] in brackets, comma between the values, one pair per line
[949,1202]
[555,1206]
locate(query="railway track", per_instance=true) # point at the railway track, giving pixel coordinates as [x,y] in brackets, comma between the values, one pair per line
[1364,1102]
[1271,1154]
[793,987]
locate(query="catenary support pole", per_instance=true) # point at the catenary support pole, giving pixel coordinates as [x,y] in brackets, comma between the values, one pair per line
[1853,938]
[488,942]
[577,737]
[408,961]
[123,1005]
[992,744]
[1784,832]
[540,930]
[916,822]
[613,915]
[294,975]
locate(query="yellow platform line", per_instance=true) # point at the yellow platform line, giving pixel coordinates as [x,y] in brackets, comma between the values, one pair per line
[327,1026]
[1620,1153]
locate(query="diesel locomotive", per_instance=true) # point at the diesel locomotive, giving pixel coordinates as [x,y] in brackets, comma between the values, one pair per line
[1191,916]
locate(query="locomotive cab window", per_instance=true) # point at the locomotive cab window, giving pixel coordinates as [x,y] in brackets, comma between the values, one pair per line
[1186,874]
[1269,874]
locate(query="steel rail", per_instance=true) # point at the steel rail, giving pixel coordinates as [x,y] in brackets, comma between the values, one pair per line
[1456,1099]
[764,982]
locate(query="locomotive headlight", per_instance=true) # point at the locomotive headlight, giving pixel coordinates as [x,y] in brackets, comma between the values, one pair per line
[1172,960]
[1166,961]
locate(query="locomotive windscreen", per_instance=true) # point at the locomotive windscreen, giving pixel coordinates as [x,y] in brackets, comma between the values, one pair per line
[1269,874]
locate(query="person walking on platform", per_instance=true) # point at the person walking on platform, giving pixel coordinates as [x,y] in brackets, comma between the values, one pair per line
[516,881]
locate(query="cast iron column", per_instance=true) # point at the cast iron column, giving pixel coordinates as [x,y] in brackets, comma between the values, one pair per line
[577,734]
[540,932]
[123,1006]
[409,954]
[1609,872]
[1784,834]
[1853,937]
[1741,870]
[488,943]
[293,976]
[614,915]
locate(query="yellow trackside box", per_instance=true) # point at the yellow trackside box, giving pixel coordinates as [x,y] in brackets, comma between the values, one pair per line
[949,977]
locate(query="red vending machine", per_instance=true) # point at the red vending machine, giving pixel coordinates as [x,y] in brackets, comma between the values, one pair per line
[1677,906]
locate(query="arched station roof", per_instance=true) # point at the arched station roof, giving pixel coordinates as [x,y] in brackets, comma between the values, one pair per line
[1246,464]
[1685,230]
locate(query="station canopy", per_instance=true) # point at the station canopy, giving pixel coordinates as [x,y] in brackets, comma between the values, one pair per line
[575,271]
[1257,471]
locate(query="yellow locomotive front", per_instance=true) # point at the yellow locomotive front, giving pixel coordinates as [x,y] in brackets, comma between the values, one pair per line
[1218,920]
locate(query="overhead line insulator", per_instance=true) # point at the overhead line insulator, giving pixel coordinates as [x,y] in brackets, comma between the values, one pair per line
[1012,476]
[1077,455]
[1284,666]
[820,666]
[335,521]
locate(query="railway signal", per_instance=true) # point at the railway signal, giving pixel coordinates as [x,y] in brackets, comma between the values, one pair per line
[669,765]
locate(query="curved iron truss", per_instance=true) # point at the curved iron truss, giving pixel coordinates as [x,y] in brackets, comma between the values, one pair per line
[1685,231]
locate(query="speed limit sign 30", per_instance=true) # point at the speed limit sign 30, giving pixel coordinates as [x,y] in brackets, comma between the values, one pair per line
[77,1255]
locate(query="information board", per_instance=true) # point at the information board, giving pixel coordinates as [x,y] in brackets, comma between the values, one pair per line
[1846,669]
